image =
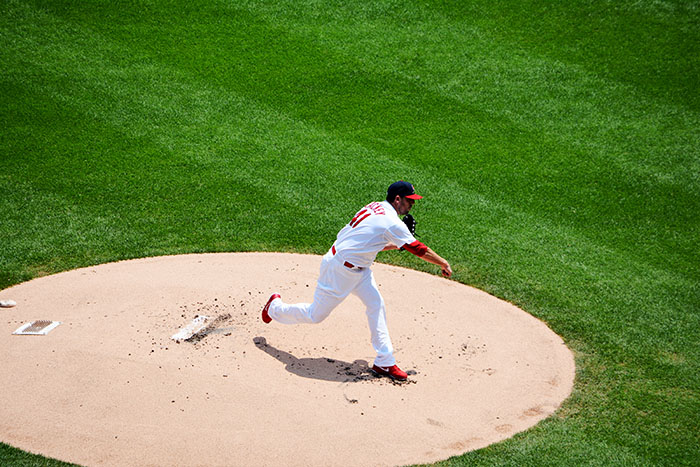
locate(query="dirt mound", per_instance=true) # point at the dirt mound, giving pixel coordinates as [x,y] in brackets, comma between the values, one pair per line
[110,386]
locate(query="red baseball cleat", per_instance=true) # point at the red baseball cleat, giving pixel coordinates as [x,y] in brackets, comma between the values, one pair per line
[265,316]
[393,372]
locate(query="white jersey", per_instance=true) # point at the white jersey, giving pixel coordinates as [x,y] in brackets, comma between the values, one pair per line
[373,228]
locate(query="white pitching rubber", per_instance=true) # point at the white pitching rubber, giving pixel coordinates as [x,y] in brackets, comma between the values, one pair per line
[191,329]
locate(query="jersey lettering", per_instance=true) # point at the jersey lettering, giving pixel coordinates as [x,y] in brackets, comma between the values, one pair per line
[364,213]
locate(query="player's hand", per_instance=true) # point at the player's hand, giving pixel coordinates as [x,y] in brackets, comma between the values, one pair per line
[446,270]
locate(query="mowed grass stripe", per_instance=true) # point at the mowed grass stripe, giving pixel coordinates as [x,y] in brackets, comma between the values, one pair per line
[467,54]
[199,153]
[524,167]
[201,140]
[651,46]
[552,126]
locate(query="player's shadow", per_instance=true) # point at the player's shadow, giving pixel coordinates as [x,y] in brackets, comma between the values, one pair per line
[326,369]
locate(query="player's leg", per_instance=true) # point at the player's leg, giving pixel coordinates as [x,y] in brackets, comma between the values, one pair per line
[335,282]
[298,313]
[368,292]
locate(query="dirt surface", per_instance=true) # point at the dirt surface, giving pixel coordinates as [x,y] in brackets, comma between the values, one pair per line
[109,386]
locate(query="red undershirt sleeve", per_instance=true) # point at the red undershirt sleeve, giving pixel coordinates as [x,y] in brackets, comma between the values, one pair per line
[417,248]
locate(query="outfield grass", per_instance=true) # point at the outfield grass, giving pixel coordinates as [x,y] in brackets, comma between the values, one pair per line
[557,145]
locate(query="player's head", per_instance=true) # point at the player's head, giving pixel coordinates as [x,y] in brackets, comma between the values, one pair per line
[402,189]
[402,195]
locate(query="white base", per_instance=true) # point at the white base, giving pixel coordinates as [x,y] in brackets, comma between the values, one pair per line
[22,330]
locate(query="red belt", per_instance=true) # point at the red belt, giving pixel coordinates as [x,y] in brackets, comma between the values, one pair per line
[346,264]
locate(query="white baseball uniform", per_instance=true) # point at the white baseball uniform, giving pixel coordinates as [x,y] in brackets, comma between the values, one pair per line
[345,269]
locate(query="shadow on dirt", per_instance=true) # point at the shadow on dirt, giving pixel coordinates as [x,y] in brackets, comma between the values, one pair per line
[321,368]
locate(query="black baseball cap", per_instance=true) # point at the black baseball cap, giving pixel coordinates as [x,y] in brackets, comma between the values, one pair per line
[403,189]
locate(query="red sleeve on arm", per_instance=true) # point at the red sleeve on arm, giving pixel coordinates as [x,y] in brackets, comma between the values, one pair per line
[417,248]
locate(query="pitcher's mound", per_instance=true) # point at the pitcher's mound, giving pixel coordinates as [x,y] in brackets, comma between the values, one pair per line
[109,386]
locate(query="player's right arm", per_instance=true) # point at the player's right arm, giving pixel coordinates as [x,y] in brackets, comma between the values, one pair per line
[432,257]
[398,234]
[425,253]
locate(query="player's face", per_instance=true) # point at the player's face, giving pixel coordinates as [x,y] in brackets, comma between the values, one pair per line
[405,205]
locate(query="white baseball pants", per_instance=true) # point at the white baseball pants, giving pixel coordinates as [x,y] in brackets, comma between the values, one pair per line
[335,282]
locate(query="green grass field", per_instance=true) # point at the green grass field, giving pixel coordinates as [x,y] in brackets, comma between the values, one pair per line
[557,145]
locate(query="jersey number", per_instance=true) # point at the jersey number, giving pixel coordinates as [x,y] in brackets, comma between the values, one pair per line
[359,217]
[373,208]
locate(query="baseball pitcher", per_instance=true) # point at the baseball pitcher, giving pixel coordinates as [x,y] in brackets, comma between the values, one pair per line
[346,269]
